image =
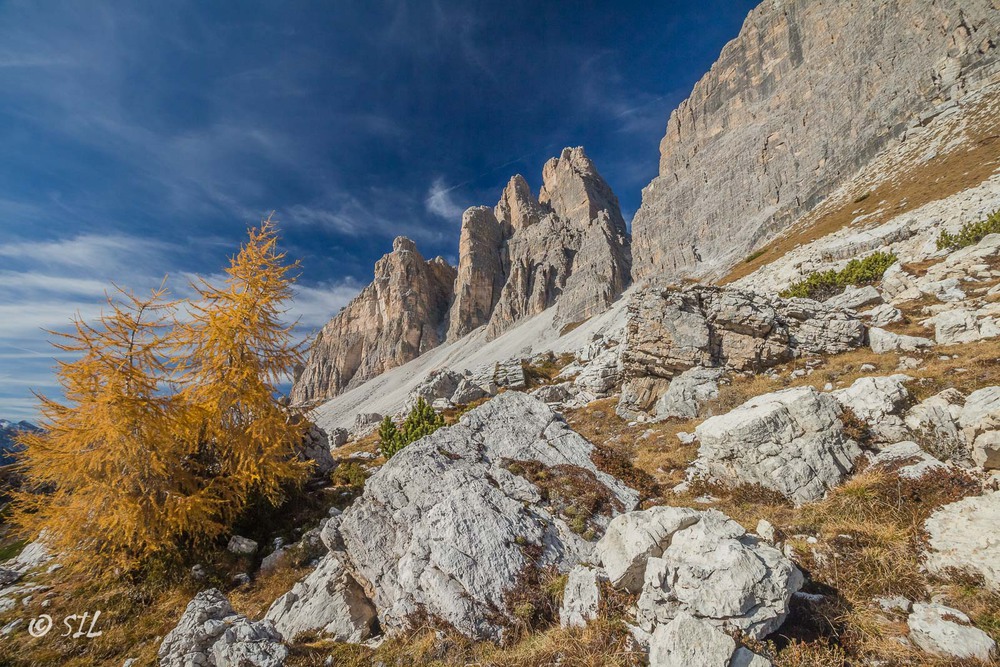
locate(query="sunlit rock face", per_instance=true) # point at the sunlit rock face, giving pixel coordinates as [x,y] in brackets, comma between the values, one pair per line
[807,94]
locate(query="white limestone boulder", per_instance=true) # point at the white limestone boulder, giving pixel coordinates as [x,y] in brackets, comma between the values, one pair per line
[633,538]
[328,601]
[791,441]
[446,527]
[948,632]
[687,641]
[986,450]
[581,597]
[880,402]
[211,634]
[882,315]
[935,420]
[916,462]
[882,341]
[688,392]
[962,536]
[716,571]
[855,298]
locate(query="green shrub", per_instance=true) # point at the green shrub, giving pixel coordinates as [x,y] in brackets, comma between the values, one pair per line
[754,255]
[824,284]
[971,233]
[421,421]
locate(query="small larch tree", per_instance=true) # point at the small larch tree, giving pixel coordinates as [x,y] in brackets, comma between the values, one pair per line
[171,425]
[107,483]
[233,351]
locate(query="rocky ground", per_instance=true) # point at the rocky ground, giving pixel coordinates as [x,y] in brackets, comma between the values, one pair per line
[670,474]
[729,478]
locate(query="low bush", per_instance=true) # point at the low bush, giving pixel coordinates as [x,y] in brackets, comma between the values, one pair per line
[971,233]
[825,284]
[422,421]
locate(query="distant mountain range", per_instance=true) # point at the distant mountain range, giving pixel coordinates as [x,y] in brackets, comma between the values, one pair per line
[8,431]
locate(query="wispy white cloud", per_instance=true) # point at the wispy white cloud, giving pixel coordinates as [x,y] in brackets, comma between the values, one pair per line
[440,202]
[86,250]
[315,305]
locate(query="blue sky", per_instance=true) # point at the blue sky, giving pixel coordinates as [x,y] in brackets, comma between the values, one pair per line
[141,139]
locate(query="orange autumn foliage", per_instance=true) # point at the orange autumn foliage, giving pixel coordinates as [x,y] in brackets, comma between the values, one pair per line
[168,426]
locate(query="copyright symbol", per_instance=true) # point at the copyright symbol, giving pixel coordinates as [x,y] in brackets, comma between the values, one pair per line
[39,627]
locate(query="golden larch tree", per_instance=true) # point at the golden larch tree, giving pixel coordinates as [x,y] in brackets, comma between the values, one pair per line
[233,351]
[106,482]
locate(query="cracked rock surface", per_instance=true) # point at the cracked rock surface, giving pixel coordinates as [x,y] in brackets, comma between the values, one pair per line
[701,564]
[446,528]
[791,441]
[211,634]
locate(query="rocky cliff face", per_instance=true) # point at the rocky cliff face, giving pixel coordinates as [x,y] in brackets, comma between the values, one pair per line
[398,317]
[806,94]
[568,248]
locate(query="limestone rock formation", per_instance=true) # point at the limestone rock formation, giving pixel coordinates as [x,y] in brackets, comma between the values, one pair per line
[482,269]
[669,331]
[633,538]
[398,317]
[916,462]
[568,248]
[961,537]
[880,403]
[935,419]
[450,523]
[781,119]
[687,641]
[766,134]
[702,564]
[687,392]
[882,341]
[791,441]
[581,597]
[329,601]
[948,632]
[211,634]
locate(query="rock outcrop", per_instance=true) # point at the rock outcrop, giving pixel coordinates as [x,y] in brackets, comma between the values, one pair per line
[482,267]
[793,107]
[398,317]
[581,597]
[451,523]
[791,441]
[669,331]
[568,248]
[701,564]
[879,402]
[686,641]
[962,538]
[948,632]
[211,634]
[328,601]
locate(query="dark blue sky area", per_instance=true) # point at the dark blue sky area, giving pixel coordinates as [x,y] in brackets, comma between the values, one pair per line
[138,139]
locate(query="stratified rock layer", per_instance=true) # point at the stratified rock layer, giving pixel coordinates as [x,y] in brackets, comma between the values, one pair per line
[807,94]
[482,267]
[568,248]
[398,317]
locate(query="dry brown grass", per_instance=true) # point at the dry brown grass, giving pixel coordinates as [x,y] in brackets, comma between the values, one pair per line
[942,176]
[652,448]
[867,537]
[602,642]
